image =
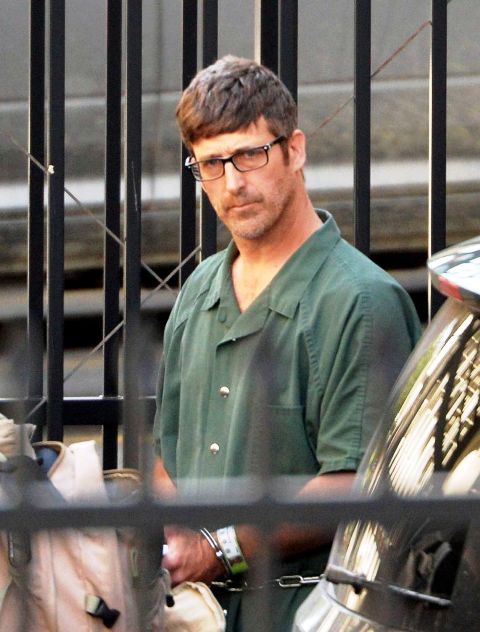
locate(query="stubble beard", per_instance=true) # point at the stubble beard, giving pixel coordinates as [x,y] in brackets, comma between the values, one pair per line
[260,224]
[253,228]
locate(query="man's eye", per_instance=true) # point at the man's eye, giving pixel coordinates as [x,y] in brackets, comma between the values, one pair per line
[250,153]
[212,163]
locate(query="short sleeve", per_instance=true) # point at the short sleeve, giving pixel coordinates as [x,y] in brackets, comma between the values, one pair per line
[369,340]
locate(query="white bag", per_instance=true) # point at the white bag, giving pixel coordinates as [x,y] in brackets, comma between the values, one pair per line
[195,610]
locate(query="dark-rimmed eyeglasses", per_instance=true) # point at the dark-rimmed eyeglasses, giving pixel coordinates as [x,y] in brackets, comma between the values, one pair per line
[245,160]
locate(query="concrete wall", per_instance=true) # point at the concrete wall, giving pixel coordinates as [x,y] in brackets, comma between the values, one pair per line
[399,111]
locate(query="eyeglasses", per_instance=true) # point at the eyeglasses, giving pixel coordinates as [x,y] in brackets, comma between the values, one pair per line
[244,160]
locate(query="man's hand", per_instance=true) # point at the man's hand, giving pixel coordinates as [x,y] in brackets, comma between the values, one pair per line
[15,438]
[190,557]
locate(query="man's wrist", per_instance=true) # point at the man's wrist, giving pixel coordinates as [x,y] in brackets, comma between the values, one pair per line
[232,552]
[216,549]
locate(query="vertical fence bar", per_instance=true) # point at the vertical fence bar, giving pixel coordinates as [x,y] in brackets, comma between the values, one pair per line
[210,32]
[208,217]
[289,45]
[36,147]
[437,189]
[362,108]
[111,279]
[133,165]
[56,215]
[188,212]
[266,33]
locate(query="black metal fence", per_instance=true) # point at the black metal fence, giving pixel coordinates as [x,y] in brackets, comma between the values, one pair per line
[277,46]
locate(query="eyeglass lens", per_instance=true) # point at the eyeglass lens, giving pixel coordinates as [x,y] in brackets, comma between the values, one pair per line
[243,160]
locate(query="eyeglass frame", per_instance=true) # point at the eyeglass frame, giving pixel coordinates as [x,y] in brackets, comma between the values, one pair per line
[224,160]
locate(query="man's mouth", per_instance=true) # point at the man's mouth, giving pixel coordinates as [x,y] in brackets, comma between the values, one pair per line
[241,205]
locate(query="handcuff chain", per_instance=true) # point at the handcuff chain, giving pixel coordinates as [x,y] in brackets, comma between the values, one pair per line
[295,581]
[285,581]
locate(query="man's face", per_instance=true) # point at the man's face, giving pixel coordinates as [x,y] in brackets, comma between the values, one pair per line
[251,203]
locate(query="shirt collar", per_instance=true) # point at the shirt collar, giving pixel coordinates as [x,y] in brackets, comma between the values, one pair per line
[222,278]
[290,283]
[288,286]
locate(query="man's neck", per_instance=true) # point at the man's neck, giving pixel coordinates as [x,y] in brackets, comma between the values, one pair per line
[259,260]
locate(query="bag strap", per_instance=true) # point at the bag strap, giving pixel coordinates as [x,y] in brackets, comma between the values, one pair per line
[15,473]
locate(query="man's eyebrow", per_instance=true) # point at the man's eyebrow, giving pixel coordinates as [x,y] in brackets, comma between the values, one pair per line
[236,151]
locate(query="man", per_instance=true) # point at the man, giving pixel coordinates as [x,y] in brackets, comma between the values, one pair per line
[280,350]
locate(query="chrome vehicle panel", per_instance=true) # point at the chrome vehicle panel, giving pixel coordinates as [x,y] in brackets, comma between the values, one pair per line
[456,272]
[428,444]
[320,612]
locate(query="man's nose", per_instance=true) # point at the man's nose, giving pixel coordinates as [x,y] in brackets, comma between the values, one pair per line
[234,179]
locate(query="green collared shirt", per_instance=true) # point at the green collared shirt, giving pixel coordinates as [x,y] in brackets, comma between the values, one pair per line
[295,384]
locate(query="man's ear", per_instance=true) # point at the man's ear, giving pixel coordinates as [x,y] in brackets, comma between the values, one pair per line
[297,149]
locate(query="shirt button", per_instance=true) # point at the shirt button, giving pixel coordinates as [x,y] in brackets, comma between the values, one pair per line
[224,391]
[214,448]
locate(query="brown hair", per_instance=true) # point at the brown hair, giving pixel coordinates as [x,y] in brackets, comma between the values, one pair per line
[231,94]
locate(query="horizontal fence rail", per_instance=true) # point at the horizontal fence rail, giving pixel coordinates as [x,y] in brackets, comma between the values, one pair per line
[265,511]
[266,507]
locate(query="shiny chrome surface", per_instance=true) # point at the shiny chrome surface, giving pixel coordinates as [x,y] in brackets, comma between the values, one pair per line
[406,575]
[456,272]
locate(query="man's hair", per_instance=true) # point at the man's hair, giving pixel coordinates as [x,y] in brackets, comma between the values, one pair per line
[230,95]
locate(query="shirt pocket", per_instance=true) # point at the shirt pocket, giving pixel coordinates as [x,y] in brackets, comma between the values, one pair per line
[290,449]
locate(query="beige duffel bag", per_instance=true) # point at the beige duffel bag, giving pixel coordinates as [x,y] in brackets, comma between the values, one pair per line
[75,579]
